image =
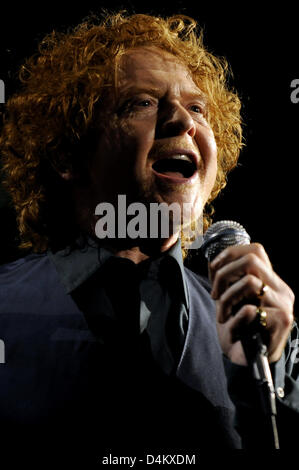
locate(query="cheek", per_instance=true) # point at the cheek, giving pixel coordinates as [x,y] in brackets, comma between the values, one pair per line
[115,151]
[208,152]
[142,132]
[207,145]
[135,138]
[121,156]
[212,169]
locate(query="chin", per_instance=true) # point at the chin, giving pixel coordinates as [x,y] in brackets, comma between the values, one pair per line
[182,198]
[151,192]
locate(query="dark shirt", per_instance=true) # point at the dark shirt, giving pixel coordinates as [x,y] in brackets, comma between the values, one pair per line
[71,386]
[155,299]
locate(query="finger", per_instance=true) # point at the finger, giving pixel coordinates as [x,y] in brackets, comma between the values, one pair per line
[278,326]
[240,322]
[246,320]
[246,290]
[248,264]
[235,252]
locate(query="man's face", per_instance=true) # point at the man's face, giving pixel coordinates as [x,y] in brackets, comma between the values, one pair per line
[155,144]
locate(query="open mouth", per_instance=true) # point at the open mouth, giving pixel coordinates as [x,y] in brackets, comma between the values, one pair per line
[175,167]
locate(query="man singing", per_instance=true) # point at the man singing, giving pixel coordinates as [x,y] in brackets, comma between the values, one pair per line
[111,344]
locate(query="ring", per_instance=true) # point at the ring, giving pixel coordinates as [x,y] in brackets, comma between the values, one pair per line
[261,316]
[262,291]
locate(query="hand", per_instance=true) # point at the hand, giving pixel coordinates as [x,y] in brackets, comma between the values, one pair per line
[238,273]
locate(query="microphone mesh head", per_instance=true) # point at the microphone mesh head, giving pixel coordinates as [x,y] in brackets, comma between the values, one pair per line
[221,235]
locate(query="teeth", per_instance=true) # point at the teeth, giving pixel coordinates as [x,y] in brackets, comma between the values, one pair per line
[181,157]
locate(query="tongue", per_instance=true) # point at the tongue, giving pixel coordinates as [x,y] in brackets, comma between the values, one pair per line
[175,174]
[171,167]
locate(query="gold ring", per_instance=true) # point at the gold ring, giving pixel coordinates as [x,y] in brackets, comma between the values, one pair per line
[262,291]
[262,317]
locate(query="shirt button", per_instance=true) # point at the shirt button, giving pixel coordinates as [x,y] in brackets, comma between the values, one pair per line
[280,392]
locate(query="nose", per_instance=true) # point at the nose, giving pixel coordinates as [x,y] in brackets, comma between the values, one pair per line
[175,120]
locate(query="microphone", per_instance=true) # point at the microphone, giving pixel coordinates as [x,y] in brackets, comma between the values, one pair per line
[219,236]
[222,234]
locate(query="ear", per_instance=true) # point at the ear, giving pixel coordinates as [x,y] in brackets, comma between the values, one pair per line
[67,175]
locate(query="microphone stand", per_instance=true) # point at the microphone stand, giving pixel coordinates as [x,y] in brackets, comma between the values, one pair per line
[257,357]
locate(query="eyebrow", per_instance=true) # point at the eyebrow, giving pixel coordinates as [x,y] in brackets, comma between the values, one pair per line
[136,89]
[196,95]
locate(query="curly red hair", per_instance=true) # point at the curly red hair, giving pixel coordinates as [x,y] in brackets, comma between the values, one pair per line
[53,116]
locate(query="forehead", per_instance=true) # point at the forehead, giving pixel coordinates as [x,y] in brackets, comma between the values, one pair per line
[151,64]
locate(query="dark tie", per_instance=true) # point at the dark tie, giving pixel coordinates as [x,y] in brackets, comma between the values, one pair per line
[121,284]
[120,279]
[176,324]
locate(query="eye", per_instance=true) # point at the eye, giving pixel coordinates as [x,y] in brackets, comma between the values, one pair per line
[196,108]
[144,103]
[134,104]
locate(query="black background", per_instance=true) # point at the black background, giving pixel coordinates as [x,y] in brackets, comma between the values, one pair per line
[261,46]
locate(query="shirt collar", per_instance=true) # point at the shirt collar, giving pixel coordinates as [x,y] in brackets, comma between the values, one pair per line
[176,253]
[77,265]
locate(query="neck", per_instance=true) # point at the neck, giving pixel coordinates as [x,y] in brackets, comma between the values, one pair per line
[141,253]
